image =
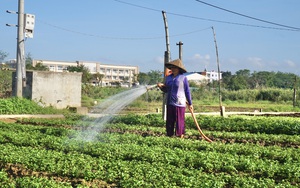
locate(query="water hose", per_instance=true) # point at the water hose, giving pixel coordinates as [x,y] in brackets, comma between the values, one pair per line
[151,87]
[198,127]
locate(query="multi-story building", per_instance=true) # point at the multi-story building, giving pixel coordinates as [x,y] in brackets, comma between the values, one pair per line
[111,75]
[10,64]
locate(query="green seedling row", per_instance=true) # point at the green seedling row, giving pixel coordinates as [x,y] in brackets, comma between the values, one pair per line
[136,154]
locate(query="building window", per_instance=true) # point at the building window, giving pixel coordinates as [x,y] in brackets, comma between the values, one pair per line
[59,67]
[52,68]
[102,70]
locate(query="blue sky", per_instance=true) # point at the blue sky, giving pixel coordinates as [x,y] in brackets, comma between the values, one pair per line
[131,32]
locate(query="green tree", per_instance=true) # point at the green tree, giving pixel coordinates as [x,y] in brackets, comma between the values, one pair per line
[244,77]
[3,55]
[5,82]
[244,73]
[41,67]
[155,76]
[97,77]
[226,76]
[150,78]
[262,79]
[28,58]
[143,78]
[38,66]
[237,82]
[284,80]
[5,78]
[86,75]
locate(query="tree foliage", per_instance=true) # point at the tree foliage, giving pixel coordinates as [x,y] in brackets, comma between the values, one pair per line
[86,75]
[143,78]
[150,78]
[3,55]
[5,83]
[243,79]
[38,66]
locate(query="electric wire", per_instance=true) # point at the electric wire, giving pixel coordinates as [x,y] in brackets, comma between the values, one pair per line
[246,16]
[170,13]
[139,6]
[99,36]
[212,20]
[119,38]
[233,23]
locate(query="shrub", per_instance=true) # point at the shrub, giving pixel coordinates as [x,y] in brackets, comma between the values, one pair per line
[17,105]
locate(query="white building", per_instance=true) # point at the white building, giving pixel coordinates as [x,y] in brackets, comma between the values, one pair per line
[196,78]
[111,74]
[212,75]
[10,64]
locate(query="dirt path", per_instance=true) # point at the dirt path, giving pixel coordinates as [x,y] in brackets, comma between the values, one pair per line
[13,118]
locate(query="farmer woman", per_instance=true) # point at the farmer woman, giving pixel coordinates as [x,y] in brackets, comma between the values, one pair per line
[178,94]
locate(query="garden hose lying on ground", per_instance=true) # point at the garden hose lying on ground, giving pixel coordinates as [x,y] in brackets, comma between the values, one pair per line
[196,123]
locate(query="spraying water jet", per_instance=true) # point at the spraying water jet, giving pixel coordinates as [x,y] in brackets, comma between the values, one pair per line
[106,110]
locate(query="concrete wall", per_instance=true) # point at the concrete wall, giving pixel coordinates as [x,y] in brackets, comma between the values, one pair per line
[57,89]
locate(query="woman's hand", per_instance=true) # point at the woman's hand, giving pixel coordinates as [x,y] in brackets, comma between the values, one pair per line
[160,85]
[191,108]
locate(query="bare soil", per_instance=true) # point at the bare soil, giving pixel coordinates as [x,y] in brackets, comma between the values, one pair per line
[18,171]
[214,139]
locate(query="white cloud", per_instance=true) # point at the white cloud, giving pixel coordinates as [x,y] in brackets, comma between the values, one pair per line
[233,61]
[159,60]
[290,63]
[156,63]
[197,62]
[256,62]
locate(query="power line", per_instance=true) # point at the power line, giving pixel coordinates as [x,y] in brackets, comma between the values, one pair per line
[232,23]
[243,15]
[159,37]
[207,19]
[118,38]
[139,6]
[98,36]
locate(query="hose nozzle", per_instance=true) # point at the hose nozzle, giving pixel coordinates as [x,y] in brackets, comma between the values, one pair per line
[150,87]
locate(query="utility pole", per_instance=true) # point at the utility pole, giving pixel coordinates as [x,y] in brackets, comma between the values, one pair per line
[180,49]
[20,51]
[25,29]
[295,92]
[167,52]
[166,60]
[219,74]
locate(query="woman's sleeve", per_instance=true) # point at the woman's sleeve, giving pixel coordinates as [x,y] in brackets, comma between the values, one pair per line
[187,91]
[164,88]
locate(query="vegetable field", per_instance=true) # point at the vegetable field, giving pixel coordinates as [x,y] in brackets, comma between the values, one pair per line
[133,151]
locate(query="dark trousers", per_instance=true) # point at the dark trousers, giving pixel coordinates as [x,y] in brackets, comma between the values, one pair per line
[175,115]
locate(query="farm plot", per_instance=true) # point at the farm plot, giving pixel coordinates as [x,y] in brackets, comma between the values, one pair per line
[133,151]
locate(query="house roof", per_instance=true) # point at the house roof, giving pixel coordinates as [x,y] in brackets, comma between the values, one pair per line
[195,76]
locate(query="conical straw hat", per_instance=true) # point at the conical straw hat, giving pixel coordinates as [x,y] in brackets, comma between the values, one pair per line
[176,63]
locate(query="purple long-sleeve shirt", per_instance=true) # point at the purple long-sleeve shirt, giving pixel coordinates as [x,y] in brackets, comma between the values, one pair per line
[178,90]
